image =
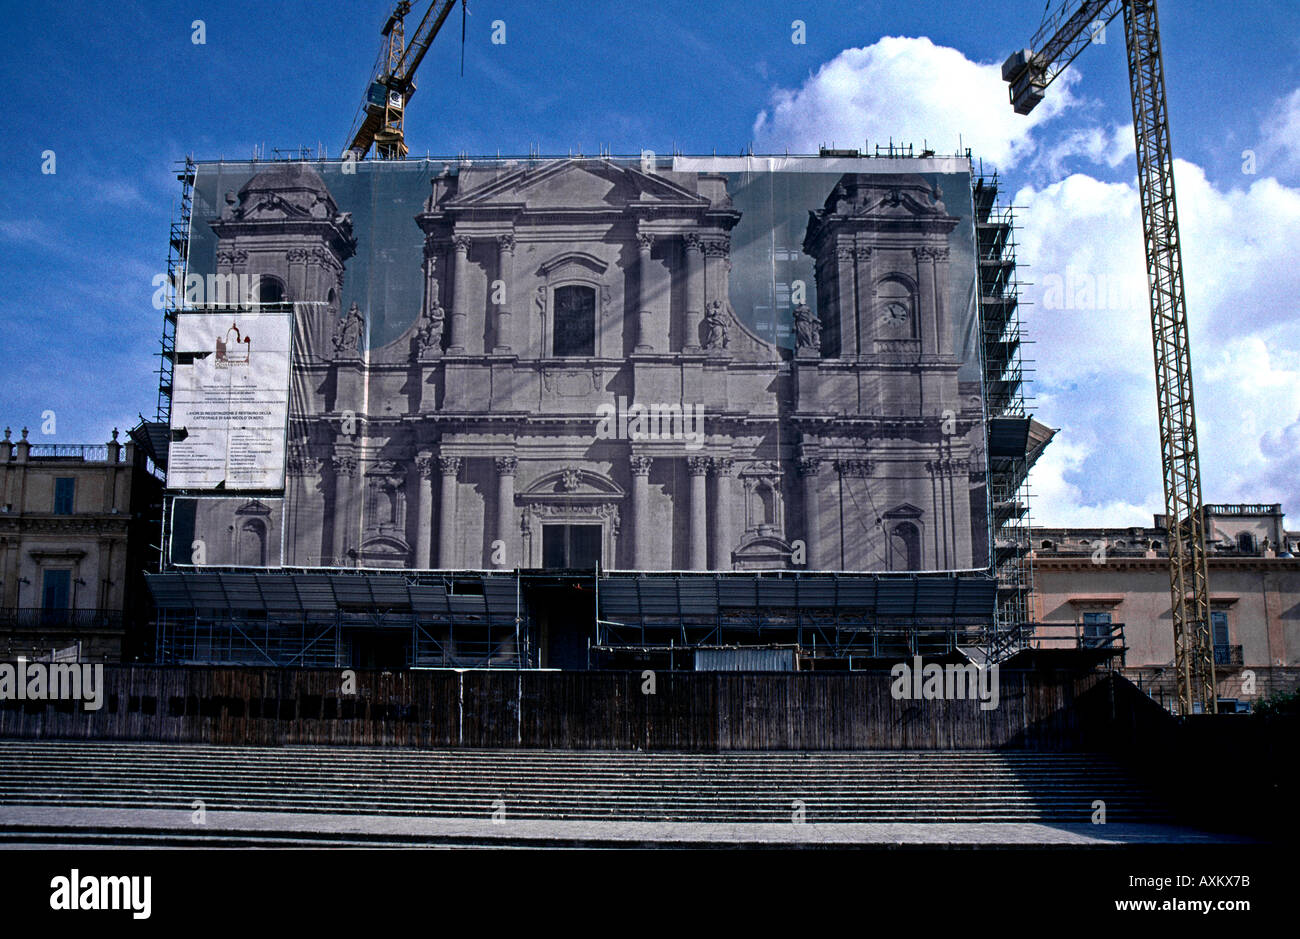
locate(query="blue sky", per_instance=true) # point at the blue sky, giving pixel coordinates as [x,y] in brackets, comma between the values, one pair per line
[119,92]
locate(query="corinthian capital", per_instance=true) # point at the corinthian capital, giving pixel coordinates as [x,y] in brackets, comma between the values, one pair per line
[697,465]
[716,247]
[809,466]
[858,468]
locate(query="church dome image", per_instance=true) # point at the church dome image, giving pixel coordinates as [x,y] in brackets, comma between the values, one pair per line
[292,185]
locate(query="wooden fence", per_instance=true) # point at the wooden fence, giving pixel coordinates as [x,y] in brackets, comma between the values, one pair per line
[575,710]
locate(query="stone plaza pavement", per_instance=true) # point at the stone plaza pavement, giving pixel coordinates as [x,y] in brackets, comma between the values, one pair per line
[46,826]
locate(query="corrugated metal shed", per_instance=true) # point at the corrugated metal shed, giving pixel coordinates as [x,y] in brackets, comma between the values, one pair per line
[744,660]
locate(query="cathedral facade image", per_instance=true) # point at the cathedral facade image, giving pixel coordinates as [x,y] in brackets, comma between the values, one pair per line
[575,386]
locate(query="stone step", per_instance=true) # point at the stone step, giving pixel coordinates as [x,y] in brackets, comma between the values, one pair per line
[868,786]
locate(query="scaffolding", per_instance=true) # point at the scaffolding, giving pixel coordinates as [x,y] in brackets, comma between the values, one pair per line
[327,619]
[1010,447]
[314,618]
[178,253]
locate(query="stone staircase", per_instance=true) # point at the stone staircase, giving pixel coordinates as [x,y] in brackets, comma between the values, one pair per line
[828,787]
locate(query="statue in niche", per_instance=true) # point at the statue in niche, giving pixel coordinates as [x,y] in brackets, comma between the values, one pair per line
[715,320]
[807,329]
[429,336]
[347,335]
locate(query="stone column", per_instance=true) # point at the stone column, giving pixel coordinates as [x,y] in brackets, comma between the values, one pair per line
[424,508]
[505,530]
[809,467]
[939,281]
[505,263]
[927,305]
[697,466]
[449,468]
[641,511]
[345,468]
[644,318]
[717,254]
[720,524]
[849,469]
[865,300]
[846,294]
[694,293]
[460,296]
[295,284]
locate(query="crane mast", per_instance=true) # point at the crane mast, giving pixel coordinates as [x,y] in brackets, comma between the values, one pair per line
[1061,38]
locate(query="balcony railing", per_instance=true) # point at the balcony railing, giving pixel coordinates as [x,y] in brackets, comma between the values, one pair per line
[89,452]
[37,618]
[1227,655]
[1079,636]
[1257,508]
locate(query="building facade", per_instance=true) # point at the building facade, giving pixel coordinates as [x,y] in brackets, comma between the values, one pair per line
[578,391]
[1096,586]
[75,539]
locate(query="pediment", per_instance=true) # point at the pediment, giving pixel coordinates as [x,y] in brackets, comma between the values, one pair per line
[271,207]
[385,546]
[905,510]
[571,482]
[580,260]
[575,184]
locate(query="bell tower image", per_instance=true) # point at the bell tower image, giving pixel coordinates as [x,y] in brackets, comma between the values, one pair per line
[885,361]
[285,229]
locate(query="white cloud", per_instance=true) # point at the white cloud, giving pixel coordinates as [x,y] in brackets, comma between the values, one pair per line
[1093,352]
[1055,502]
[1281,136]
[1112,147]
[1081,238]
[913,91]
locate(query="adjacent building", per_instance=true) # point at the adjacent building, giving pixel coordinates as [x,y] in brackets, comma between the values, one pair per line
[1109,587]
[75,539]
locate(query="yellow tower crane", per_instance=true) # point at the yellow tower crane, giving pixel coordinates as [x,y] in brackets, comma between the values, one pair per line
[1063,35]
[379,120]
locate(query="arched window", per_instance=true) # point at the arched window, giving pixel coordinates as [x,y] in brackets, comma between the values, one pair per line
[251,550]
[905,547]
[270,289]
[897,309]
[575,320]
